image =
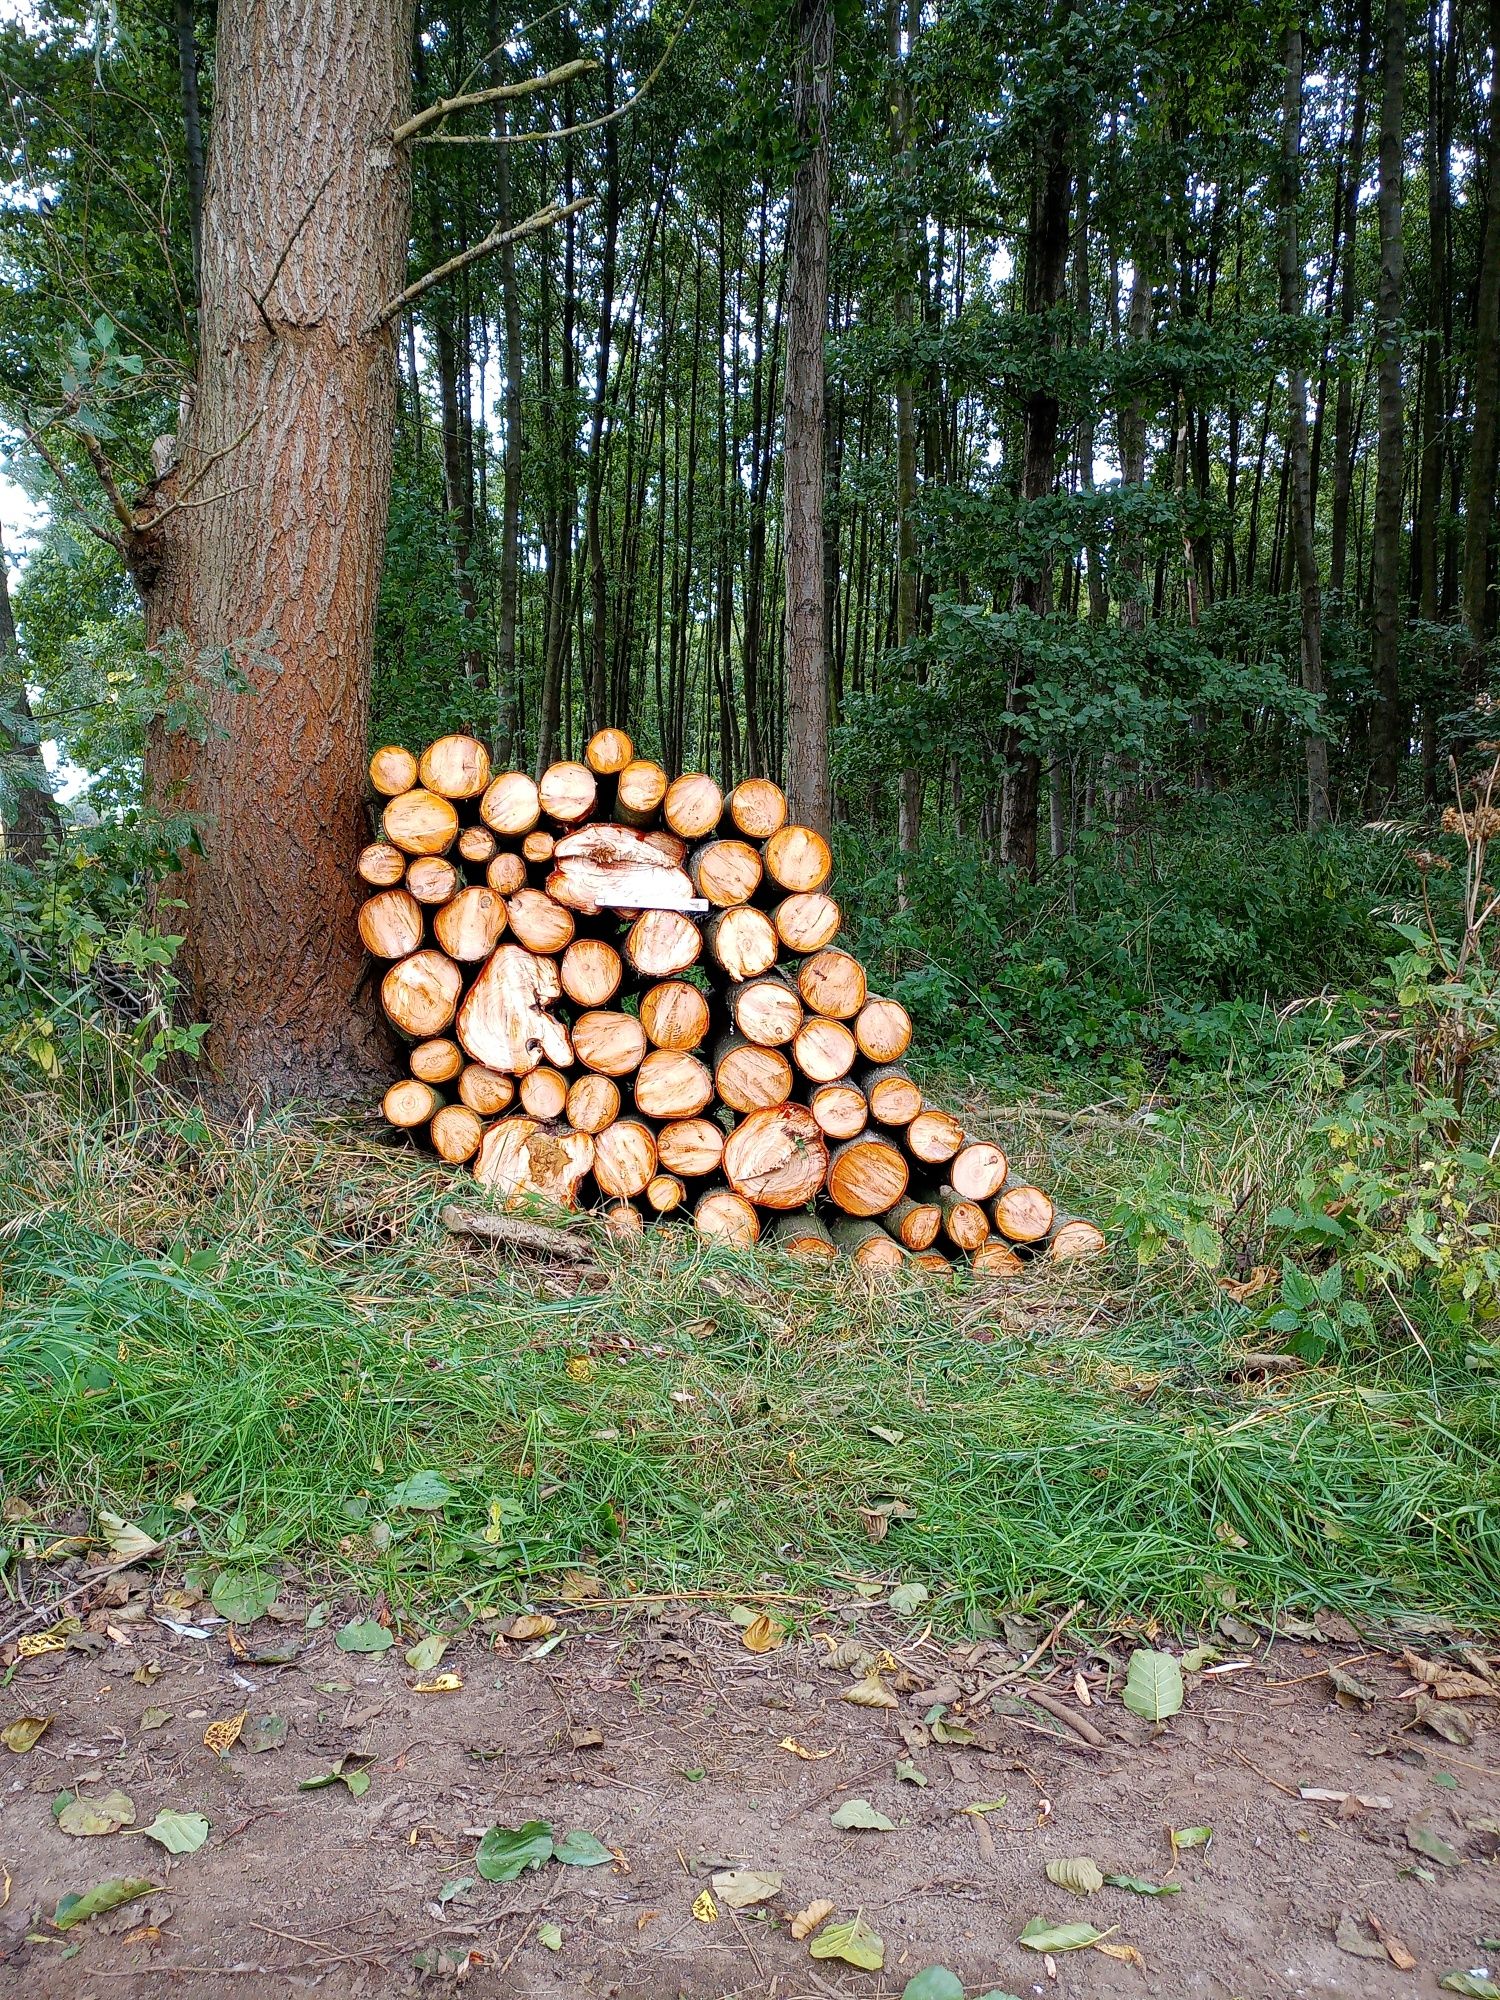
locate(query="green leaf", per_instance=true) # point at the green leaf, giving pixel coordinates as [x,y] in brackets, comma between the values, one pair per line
[426,1654]
[1153,1686]
[1080,1876]
[423,1493]
[908,1772]
[365,1636]
[1199,1657]
[935,1983]
[351,1771]
[550,1936]
[103,1896]
[108,1814]
[1139,1886]
[459,1887]
[853,1942]
[581,1850]
[1039,1935]
[856,1814]
[506,1852]
[267,1732]
[1478,1985]
[1190,1836]
[178,1832]
[1421,1839]
[908,1598]
[242,1598]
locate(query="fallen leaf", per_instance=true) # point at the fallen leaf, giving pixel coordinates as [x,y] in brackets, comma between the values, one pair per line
[143,1934]
[762,1634]
[1241,1289]
[154,1718]
[876,1526]
[221,1737]
[267,1732]
[351,1771]
[742,1888]
[580,1368]
[530,1625]
[1477,1985]
[1184,1837]
[25,1733]
[144,1676]
[581,1850]
[178,1832]
[442,1684]
[705,1909]
[853,1942]
[1198,1657]
[1039,1935]
[1350,1685]
[110,1895]
[550,1936]
[460,1886]
[1396,1949]
[1371,1801]
[1153,1685]
[806,1921]
[885,1436]
[81,1817]
[1350,1936]
[908,1598]
[871,1692]
[587,1738]
[859,1815]
[364,1635]
[1448,1723]
[1125,1952]
[1080,1876]
[242,1598]
[908,1773]
[125,1539]
[424,1492]
[34,1644]
[426,1654]
[506,1852]
[1447,1683]
[801,1750]
[579,1588]
[982,1806]
[935,1982]
[1422,1839]
[1139,1886]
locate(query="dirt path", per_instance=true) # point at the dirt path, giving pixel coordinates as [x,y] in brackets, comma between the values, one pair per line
[662,1736]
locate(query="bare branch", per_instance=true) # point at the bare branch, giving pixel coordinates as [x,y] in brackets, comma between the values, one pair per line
[260,303]
[497,238]
[419,120]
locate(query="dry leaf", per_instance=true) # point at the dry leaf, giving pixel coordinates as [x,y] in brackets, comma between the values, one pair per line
[579,1588]
[441,1684]
[705,1909]
[876,1526]
[530,1625]
[25,1733]
[221,1737]
[801,1750]
[1081,1689]
[1080,1875]
[36,1643]
[1447,1683]
[742,1888]
[143,1934]
[1240,1289]
[96,1816]
[1127,1953]
[762,1634]
[806,1921]
[1395,1948]
[871,1692]
[125,1539]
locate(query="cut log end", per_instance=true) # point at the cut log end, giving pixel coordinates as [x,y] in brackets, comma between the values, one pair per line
[608,751]
[674,1014]
[393,771]
[933,1137]
[567,792]
[868,1246]
[487,1091]
[538,922]
[673,1084]
[866,1176]
[765,1011]
[693,806]
[757,808]
[437,1061]
[840,1109]
[725,872]
[798,859]
[624,1158]
[544,1093]
[803,1236]
[1022,1213]
[456,766]
[726,1217]
[639,791]
[505,874]
[832,983]
[410,1103]
[663,942]
[468,928]
[511,805]
[530,1164]
[421,822]
[420,993]
[390,924]
[1073,1239]
[807,923]
[380,865]
[978,1170]
[609,1041]
[456,1133]
[591,972]
[692,1148]
[883,1030]
[504,1021]
[777,1158]
[593,1103]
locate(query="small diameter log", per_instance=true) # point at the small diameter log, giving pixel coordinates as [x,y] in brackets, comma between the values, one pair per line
[765,1011]
[673,1084]
[639,792]
[527,1163]
[690,1147]
[380,864]
[624,1158]
[665,1194]
[840,1109]
[741,942]
[544,1094]
[437,1061]
[432,880]
[511,804]
[410,1103]
[823,1050]
[393,771]
[420,993]
[390,924]
[934,1137]
[867,1245]
[866,1176]
[725,872]
[568,792]
[777,1158]
[757,808]
[527,1239]
[883,1030]
[617,868]
[538,922]
[608,751]
[807,923]
[591,972]
[609,1041]
[798,859]
[1022,1213]
[468,928]
[662,942]
[997,1260]
[727,1217]
[421,823]
[978,1169]
[538,846]
[674,1015]
[693,806]
[893,1098]
[476,845]
[456,766]
[506,873]
[504,1020]
[935,1262]
[487,1091]
[748,1077]
[833,983]
[803,1236]
[456,1134]
[914,1224]
[965,1223]
[1072,1237]
[593,1103]
[623,1218]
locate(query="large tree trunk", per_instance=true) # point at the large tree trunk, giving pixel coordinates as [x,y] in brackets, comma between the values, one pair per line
[283,475]
[1388,734]
[28,811]
[1480,504]
[809,784]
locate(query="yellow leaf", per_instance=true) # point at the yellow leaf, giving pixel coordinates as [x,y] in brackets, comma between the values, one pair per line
[762,1634]
[25,1733]
[801,1750]
[580,1368]
[1127,1953]
[36,1643]
[442,1684]
[579,1588]
[982,1806]
[705,1909]
[530,1625]
[221,1737]
[126,1540]
[871,1692]
[806,1921]
[185,1502]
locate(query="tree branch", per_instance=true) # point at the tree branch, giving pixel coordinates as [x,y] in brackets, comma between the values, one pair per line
[525,88]
[497,238]
[60,474]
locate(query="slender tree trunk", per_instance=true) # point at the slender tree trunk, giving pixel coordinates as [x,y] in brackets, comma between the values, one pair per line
[1436,347]
[1479,511]
[513,361]
[1388,733]
[1343,409]
[28,812]
[192,127]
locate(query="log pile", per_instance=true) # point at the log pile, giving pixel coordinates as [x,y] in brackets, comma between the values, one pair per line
[624,990]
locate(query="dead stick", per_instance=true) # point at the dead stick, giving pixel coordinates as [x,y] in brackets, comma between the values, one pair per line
[1063,1713]
[508,1232]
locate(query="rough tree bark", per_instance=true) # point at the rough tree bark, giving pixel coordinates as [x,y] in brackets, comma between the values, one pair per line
[1344,413]
[1387,733]
[266,535]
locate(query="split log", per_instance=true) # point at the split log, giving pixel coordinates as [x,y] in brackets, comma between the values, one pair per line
[934,1137]
[456,1134]
[914,1224]
[661,942]
[832,983]
[544,1093]
[567,792]
[823,1050]
[487,1091]
[893,1098]
[509,1232]
[623,1218]
[624,1158]
[725,872]
[798,859]
[437,1061]
[665,1194]
[609,1041]
[505,874]
[421,822]
[864,1243]
[757,808]
[432,880]
[803,1236]
[672,1084]
[419,993]
[593,1103]
[538,847]
[469,927]
[840,1109]
[390,924]
[476,845]
[380,864]
[727,1217]
[641,787]
[964,1222]
[765,1011]
[748,1077]
[504,1020]
[393,770]
[690,1147]
[608,751]
[539,923]
[978,1169]
[591,972]
[1021,1212]
[456,766]
[694,805]
[741,942]
[777,1158]
[883,1030]
[410,1103]
[617,868]
[674,1015]
[525,1162]
[512,805]
[866,1176]
[1071,1237]
[996,1260]
[807,923]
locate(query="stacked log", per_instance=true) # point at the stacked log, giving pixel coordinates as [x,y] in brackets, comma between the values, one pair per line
[626,990]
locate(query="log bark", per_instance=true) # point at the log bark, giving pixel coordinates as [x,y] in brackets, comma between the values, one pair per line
[393,771]
[933,1137]
[978,1169]
[914,1224]
[965,1223]
[508,1232]
[691,1147]
[420,822]
[757,808]
[674,1015]
[726,872]
[777,1158]
[456,766]
[823,1050]
[568,792]
[468,928]
[724,1216]
[742,942]
[866,1244]
[693,806]
[663,942]
[591,971]
[538,922]
[437,1061]
[798,859]
[544,1093]
[748,1077]
[380,864]
[504,1020]
[530,1164]
[672,1084]
[833,983]
[866,1176]
[410,1103]
[803,1236]
[512,805]
[391,924]
[593,1103]
[840,1109]
[487,1091]
[624,1158]
[456,1134]
[882,1029]
[420,993]
[431,879]
[609,1041]
[1022,1213]
[765,1011]
[807,923]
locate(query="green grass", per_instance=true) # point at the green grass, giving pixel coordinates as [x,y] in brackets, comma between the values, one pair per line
[283,1330]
